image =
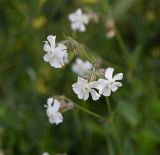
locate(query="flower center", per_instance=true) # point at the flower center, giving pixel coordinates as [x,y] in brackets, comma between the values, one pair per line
[80,19]
[110,84]
[52,53]
[86,88]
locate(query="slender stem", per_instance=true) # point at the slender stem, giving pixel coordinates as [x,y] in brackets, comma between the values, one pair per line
[84,109]
[116,134]
[89,112]
[74,35]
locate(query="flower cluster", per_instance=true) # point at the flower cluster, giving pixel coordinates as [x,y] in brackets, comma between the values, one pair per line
[89,83]
[110,83]
[105,86]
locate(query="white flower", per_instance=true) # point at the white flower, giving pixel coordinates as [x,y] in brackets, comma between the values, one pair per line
[82,88]
[56,56]
[80,67]
[45,153]
[109,84]
[78,20]
[53,111]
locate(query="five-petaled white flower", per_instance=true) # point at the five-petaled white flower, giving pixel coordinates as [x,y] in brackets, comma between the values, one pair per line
[53,111]
[109,84]
[82,88]
[56,56]
[80,67]
[78,20]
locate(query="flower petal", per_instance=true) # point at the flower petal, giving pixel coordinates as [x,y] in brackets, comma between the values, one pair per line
[60,47]
[49,101]
[47,57]
[79,61]
[118,84]
[85,19]
[56,105]
[51,119]
[109,73]
[79,12]
[74,16]
[60,54]
[55,62]
[107,92]
[88,65]
[93,84]
[82,81]
[75,26]
[75,68]
[52,40]
[58,118]
[65,58]
[82,28]
[94,94]
[118,76]
[46,47]
[85,97]
[75,88]
[101,83]
[81,94]
[80,67]
[114,88]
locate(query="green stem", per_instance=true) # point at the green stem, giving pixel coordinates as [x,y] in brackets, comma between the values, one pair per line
[116,134]
[74,35]
[89,112]
[84,109]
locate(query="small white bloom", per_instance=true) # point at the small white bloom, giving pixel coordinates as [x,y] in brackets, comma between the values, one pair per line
[82,88]
[78,20]
[111,30]
[109,84]
[56,56]
[80,67]
[45,153]
[53,111]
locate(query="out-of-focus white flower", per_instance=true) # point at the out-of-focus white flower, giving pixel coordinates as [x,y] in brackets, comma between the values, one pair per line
[53,111]
[56,56]
[109,84]
[110,26]
[45,153]
[78,20]
[80,67]
[82,88]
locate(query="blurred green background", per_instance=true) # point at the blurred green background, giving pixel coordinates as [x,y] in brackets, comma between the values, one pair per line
[26,81]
